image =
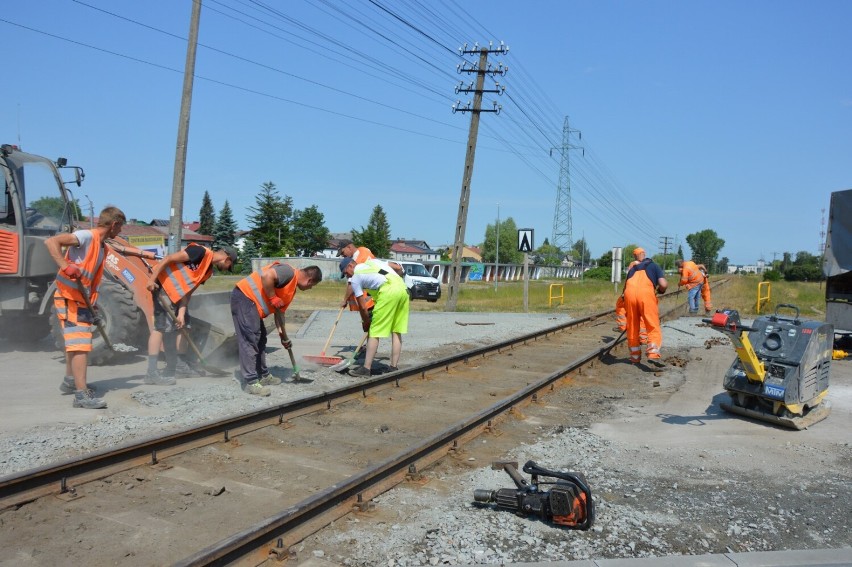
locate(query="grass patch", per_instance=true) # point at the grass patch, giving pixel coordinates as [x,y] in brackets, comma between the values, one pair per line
[580,297]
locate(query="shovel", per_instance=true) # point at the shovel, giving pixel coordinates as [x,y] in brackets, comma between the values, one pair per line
[342,366]
[296,376]
[115,348]
[168,309]
[322,358]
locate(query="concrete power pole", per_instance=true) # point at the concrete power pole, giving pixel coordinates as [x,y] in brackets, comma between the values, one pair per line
[480,69]
[562,224]
[176,212]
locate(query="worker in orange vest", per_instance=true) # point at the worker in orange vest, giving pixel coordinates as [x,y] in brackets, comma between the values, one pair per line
[643,282]
[262,293]
[621,315]
[81,267]
[705,290]
[692,279]
[178,275]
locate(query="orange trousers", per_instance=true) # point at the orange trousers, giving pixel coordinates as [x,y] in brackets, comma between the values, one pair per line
[642,309]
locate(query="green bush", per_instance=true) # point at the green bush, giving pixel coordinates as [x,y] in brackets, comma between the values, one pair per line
[803,274]
[599,273]
[772,276]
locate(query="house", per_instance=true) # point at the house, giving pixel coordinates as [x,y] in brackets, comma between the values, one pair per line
[413,251]
[145,237]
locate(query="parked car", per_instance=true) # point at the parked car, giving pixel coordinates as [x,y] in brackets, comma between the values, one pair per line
[421,284]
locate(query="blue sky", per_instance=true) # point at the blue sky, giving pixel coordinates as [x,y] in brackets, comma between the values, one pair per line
[728,115]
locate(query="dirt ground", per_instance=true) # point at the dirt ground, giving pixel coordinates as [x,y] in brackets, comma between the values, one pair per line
[672,473]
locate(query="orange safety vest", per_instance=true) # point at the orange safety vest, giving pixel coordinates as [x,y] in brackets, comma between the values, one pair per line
[363,254]
[252,287]
[178,279]
[92,269]
[690,275]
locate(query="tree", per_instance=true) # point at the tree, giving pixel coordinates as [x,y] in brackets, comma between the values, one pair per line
[722,266]
[270,221]
[705,247]
[310,234]
[55,207]
[549,255]
[206,216]
[248,252]
[376,236]
[223,233]
[508,243]
[581,251]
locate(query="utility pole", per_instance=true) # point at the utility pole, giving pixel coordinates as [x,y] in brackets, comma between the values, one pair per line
[497,253]
[91,212]
[562,224]
[480,69]
[666,244]
[176,212]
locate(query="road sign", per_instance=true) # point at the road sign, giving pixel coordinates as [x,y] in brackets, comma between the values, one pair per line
[525,240]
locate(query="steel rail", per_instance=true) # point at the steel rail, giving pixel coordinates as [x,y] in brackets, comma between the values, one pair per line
[28,485]
[267,538]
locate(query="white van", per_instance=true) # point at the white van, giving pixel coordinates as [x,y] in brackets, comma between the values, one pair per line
[421,285]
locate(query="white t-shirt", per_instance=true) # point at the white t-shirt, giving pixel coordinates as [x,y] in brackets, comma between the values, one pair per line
[369,280]
[77,254]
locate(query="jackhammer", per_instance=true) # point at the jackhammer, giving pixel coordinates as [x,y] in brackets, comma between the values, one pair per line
[567,503]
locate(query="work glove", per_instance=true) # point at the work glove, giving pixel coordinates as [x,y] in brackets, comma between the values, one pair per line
[96,316]
[365,326]
[277,303]
[286,343]
[72,271]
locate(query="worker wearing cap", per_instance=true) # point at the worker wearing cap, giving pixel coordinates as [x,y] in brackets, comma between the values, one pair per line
[692,278]
[390,315]
[262,293]
[621,315]
[178,275]
[359,254]
[643,282]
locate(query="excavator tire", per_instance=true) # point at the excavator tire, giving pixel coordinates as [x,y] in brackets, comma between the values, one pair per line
[122,320]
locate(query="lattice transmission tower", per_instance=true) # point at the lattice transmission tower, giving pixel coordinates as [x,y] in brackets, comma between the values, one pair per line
[562,223]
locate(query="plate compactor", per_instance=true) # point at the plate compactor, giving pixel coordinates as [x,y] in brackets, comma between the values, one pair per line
[781,371]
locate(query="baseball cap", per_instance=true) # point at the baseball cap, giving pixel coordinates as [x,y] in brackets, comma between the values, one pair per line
[341,245]
[345,262]
[232,254]
[637,251]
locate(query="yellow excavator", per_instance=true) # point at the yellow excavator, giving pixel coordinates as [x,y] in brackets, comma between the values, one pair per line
[782,367]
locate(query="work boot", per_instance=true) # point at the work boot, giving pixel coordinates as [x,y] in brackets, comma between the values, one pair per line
[256,389]
[86,399]
[184,370]
[360,372]
[657,362]
[67,386]
[269,380]
[156,379]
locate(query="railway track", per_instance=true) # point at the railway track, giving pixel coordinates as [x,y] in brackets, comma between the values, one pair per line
[249,487]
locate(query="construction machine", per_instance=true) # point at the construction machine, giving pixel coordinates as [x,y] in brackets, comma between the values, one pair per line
[38,204]
[782,367]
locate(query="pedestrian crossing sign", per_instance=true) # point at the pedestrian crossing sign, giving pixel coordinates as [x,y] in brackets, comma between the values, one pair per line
[525,240]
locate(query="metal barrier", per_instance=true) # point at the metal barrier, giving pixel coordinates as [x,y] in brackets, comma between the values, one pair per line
[551,297]
[763,299]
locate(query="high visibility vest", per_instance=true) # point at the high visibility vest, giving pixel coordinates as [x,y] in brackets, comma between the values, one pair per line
[362,254]
[178,279]
[91,270]
[378,267]
[252,287]
[690,275]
